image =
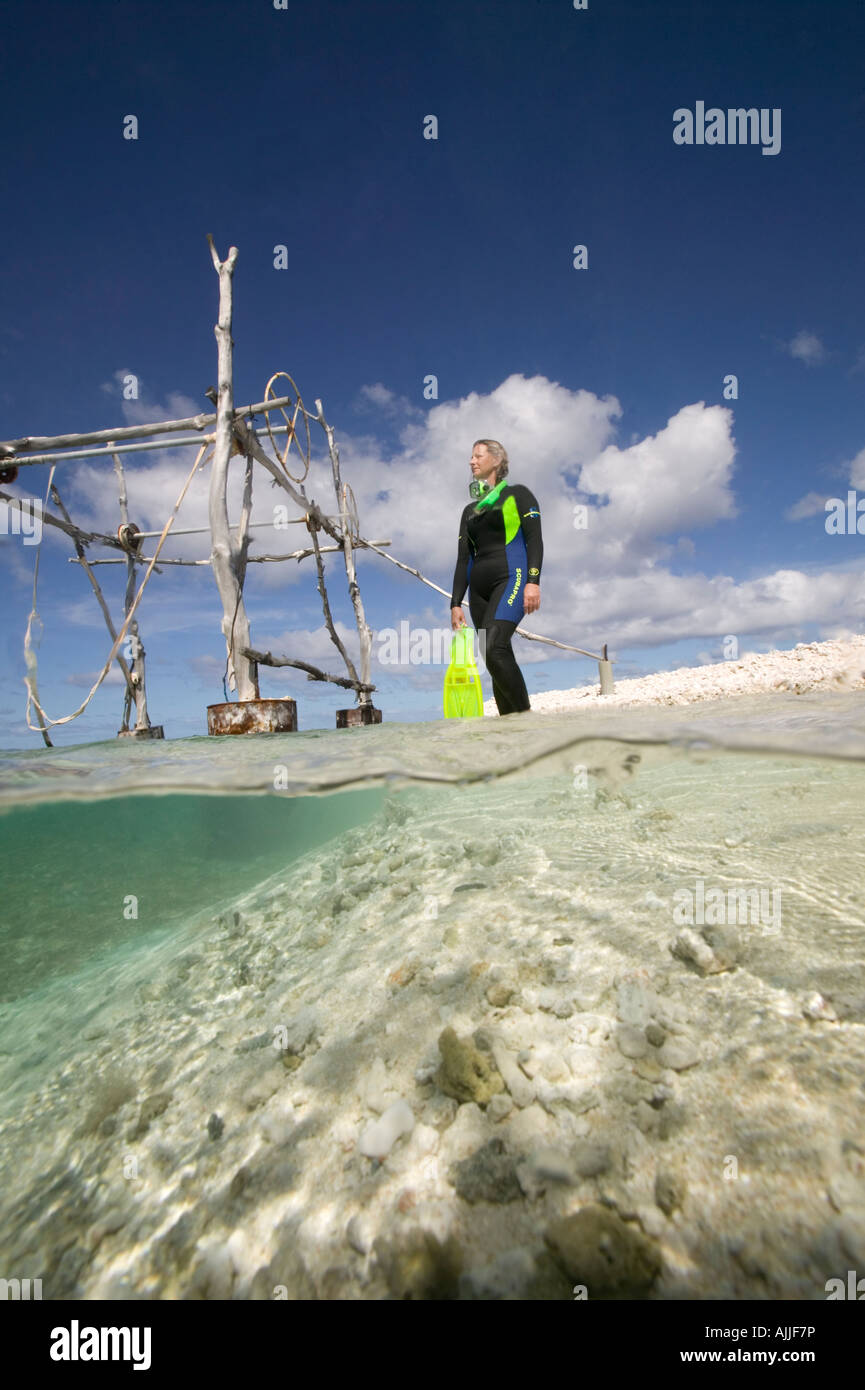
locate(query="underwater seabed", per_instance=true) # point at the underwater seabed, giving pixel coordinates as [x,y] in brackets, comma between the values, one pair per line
[481,1041]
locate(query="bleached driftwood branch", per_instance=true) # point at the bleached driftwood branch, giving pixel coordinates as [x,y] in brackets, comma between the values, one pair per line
[223,555]
[250,559]
[325,604]
[243,523]
[265,659]
[68,527]
[33,443]
[363,630]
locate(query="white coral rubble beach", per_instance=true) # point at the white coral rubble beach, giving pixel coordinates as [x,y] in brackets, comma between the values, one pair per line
[834,666]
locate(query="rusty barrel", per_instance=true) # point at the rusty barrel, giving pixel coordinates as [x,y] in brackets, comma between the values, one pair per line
[253,717]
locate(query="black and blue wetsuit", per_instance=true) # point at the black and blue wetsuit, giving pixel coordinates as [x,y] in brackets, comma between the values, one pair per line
[500,552]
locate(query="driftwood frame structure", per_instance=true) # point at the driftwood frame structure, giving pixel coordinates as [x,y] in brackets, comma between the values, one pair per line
[234,433]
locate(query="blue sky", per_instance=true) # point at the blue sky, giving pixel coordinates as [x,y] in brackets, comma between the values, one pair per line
[453,258]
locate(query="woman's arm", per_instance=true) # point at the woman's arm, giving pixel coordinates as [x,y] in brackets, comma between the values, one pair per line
[461,573]
[530,523]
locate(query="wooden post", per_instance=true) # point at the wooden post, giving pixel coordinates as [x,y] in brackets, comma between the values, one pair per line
[605,673]
[224,555]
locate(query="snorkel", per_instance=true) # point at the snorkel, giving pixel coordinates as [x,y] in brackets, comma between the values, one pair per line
[483,494]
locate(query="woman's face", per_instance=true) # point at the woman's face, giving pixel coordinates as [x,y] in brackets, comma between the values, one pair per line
[483,463]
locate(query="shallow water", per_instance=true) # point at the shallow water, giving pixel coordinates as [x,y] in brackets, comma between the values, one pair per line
[83,882]
[168,909]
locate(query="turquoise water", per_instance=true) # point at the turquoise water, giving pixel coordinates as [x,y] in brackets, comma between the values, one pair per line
[169,910]
[83,881]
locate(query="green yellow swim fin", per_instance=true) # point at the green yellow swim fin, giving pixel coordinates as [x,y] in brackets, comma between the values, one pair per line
[463,696]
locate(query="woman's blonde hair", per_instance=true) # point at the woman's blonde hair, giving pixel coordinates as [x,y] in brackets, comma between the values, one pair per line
[499,452]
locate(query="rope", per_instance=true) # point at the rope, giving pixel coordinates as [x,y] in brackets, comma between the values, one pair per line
[30,678]
[29,654]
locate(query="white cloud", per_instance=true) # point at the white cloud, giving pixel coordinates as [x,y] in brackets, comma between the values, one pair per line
[857,470]
[415,498]
[313,645]
[208,668]
[16,561]
[670,482]
[663,608]
[386,402]
[807,347]
[145,411]
[809,505]
[167,605]
[814,503]
[87,679]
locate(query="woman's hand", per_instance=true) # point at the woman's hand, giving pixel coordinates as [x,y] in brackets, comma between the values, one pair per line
[532,598]
[458,619]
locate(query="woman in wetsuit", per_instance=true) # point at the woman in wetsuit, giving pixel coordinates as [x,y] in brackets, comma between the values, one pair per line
[499,558]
